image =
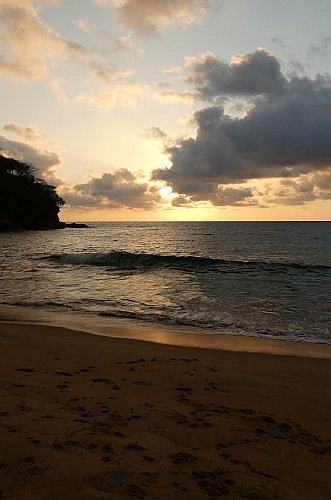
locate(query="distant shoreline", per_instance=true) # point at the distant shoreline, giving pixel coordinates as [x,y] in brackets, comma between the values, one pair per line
[8,226]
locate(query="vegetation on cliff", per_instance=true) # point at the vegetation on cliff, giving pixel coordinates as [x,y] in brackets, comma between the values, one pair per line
[26,202]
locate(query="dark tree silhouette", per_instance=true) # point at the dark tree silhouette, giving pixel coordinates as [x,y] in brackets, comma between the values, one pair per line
[26,202]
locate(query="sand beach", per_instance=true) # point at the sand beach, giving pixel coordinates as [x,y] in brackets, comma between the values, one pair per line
[88,416]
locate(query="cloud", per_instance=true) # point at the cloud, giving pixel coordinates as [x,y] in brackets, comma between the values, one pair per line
[126,94]
[229,196]
[119,189]
[31,44]
[299,191]
[44,161]
[123,43]
[34,51]
[285,132]
[149,15]
[154,133]
[323,49]
[185,96]
[217,195]
[173,70]
[322,182]
[181,201]
[246,75]
[108,73]
[30,133]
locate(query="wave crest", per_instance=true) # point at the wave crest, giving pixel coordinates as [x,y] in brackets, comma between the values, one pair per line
[142,261]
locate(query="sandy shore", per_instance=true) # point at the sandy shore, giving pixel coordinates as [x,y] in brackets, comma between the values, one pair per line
[85,416]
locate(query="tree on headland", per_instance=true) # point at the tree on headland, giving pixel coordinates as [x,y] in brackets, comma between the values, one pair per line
[26,202]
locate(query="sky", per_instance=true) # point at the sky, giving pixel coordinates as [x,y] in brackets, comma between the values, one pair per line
[171,109]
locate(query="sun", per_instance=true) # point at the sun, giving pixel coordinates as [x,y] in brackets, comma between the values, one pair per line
[166,193]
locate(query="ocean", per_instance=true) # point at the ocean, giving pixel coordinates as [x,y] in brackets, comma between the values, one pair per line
[260,279]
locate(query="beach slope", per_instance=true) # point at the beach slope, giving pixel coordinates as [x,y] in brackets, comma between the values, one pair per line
[85,416]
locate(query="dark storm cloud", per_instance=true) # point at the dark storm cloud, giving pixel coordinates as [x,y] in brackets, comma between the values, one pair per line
[119,189]
[247,75]
[226,196]
[300,191]
[284,134]
[323,182]
[221,196]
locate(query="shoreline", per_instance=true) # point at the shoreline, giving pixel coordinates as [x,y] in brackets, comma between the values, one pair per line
[158,333]
[119,418]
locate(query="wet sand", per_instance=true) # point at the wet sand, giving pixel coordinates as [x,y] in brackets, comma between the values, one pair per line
[86,416]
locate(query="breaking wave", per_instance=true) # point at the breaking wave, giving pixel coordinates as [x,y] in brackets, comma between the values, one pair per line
[143,261]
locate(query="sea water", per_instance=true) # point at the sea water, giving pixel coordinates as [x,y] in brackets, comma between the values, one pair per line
[265,279]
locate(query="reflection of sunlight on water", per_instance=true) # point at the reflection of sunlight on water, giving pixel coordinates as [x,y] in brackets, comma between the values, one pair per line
[289,302]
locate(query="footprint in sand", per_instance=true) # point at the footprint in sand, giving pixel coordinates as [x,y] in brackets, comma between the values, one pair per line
[182,457]
[111,482]
[102,380]
[34,440]
[135,447]
[214,483]
[183,388]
